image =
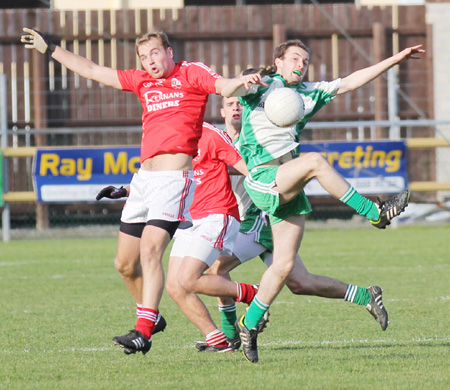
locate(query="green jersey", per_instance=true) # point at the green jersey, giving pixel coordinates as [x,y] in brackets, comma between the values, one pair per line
[262,141]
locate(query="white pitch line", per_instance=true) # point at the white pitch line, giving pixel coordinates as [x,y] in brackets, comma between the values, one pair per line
[354,341]
[10,263]
[277,343]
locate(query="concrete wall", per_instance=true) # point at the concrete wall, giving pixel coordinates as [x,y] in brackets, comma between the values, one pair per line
[438,15]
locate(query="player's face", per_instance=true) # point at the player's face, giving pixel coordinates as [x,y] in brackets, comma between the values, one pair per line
[156,60]
[232,111]
[295,60]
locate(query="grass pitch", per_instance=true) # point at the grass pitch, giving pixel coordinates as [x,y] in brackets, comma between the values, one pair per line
[62,301]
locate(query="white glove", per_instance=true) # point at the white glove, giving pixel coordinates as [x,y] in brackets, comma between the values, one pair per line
[34,39]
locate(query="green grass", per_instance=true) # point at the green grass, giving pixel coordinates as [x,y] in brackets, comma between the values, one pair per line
[62,301]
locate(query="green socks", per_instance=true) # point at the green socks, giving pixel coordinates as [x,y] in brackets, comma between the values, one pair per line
[361,204]
[228,318]
[358,295]
[255,313]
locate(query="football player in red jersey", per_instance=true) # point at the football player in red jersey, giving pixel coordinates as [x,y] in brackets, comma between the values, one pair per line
[173,97]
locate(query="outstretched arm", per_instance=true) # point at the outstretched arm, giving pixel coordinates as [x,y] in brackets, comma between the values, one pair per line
[363,76]
[239,85]
[34,39]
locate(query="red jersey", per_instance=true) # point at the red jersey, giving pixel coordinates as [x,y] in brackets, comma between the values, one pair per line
[213,193]
[173,108]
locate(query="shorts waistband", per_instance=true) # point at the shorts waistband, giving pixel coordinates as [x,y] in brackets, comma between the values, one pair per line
[181,174]
[255,169]
[276,162]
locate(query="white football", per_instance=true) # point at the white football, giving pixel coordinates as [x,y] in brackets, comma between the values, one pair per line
[284,107]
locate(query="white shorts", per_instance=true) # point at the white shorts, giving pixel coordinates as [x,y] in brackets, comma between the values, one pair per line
[267,258]
[164,195]
[246,247]
[208,238]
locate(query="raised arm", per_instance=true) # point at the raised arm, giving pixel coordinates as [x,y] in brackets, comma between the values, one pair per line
[363,76]
[237,86]
[88,69]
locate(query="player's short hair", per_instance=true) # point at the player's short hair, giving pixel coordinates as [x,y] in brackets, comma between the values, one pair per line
[160,35]
[281,49]
[247,71]
[263,70]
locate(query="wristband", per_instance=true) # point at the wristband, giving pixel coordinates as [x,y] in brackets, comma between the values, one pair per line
[51,47]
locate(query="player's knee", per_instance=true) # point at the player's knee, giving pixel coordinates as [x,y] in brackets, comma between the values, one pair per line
[316,161]
[296,287]
[126,267]
[283,269]
[187,283]
[150,254]
[300,284]
[173,288]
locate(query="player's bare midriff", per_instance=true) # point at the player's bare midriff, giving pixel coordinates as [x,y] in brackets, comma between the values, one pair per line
[278,161]
[168,162]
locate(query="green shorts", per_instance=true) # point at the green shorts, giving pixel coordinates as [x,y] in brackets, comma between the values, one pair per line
[259,184]
[254,223]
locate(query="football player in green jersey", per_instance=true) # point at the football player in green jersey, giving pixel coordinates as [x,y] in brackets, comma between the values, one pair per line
[255,239]
[278,174]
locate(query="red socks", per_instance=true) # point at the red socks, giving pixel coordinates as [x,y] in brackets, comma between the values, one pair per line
[217,338]
[146,321]
[246,293]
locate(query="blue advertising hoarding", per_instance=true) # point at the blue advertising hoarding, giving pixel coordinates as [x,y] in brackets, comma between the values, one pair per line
[377,167]
[76,175]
